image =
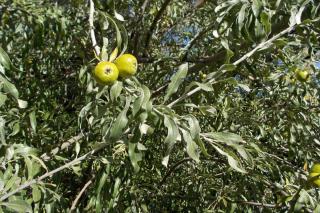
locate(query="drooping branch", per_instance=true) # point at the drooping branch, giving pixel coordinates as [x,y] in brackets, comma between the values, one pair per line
[48,174]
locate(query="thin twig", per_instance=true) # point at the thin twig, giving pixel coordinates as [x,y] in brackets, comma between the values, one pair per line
[246,56]
[48,174]
[75,202]
[92,34]
[172,169]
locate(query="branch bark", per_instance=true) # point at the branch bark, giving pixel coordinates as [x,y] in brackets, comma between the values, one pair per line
[65,145]
[155,22]
[75,202]
[92,34]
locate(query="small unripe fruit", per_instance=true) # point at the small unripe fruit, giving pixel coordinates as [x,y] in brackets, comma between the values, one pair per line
[302,75]
[127,65]
[106,73]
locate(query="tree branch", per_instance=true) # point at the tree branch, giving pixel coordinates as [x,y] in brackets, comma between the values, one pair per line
[172,169]
[246,56]
[154,23]
[92,34]
[75,202]
[65,145]
[48,174]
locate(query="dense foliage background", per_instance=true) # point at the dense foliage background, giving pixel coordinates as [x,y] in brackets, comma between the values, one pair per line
[199,128]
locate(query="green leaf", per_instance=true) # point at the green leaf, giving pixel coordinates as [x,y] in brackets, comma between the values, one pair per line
[2,131]
[137,104]
[226,137]
[227,67]
[121,122]
[115,90]
[232,162]
[176,80]
[195,130]
[265,20]
[3,99]
[208,110]
[242,16]
[205,87]
[192,147]
[36,194]
[146,99]
[9,87]
[172,136]
[33,120]
[29,167]
[18,205]
[85,110]
[256,7]
[116,187]
[119,37]
[134,156]
[4,59]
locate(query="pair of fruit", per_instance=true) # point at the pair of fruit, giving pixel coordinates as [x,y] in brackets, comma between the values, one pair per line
[315,171]
[107,73]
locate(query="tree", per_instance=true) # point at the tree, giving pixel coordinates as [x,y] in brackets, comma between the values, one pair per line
[215,119]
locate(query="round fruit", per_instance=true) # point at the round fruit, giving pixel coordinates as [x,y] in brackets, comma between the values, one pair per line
[127,65]
[203,76]
[106,72]
[302,75]
[315,171]
[316,181]
[315,168]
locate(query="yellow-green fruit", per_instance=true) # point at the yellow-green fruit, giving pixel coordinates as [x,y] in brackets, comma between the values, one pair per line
[315,168]
[127,65]
[203,76]
[316,181]
[302,75]
[106,72]
[315,171]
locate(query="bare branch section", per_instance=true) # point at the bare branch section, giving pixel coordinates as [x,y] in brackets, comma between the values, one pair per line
[154,23]
[243,58]
[75,202]
[91,25]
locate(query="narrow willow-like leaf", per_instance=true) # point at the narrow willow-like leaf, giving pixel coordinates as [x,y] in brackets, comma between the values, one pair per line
[33,120]
[232,162]
[4,59]
[135,157]
[115,90]
[18,205]
[170,140]
[195,131]
[176,80]
[192,147]
[121,122]
[9,88]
